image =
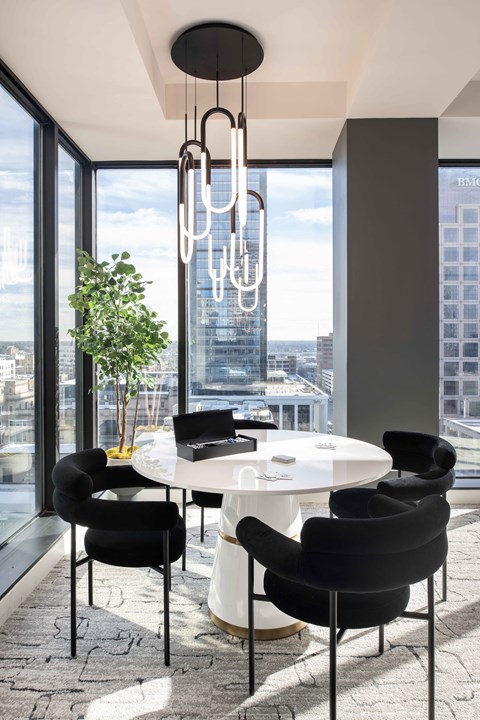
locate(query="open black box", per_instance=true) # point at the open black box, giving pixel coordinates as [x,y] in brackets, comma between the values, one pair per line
[209,426]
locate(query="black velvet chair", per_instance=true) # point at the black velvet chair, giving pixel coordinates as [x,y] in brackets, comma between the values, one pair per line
[214,500]
[122,533]
[350,573]
[431,458]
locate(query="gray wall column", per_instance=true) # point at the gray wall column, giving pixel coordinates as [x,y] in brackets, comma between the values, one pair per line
[385,267]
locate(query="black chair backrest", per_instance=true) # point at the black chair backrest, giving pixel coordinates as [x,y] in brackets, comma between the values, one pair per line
[80,475]
[419,453]
[378,553]
[241,424]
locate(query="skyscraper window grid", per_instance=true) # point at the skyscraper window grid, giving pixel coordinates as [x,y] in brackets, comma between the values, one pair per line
[459,234]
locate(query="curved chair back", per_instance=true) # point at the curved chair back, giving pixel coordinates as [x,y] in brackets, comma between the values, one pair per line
[419,453]
[375,554]
[77,477]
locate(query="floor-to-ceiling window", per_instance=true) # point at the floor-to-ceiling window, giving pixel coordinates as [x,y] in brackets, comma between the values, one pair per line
[68,221]
[459,315]
[136,212]
[19,496]
[274,363]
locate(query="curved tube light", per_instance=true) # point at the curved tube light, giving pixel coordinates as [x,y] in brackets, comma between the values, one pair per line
[205,163]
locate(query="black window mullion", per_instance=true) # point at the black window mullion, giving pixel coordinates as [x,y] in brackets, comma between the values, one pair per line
[86,400]
[49,375]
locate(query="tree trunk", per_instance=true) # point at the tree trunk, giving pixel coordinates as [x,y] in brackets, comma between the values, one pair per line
[123,422]
[134,428]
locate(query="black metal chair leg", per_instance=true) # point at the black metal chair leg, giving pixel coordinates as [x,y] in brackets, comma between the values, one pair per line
[251,628]
[444,572]
[331,513]
[431,648]
[184,511]
[381,639]
[444,581]
[333,656]
[73,590]
[202,524]
[166,596]
[90,582]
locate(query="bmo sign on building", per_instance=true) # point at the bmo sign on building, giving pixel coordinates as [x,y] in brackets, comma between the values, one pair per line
[468,181]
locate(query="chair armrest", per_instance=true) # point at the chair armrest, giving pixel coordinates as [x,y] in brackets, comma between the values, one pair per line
[270,548]
[383,506]
[126,515]
[416,487]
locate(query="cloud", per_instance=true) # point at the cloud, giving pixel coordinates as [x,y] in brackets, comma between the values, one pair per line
[291,179]
[318,215]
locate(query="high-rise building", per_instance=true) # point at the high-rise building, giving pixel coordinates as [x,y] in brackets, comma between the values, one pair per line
[228,346]
[459,336]
[324,356]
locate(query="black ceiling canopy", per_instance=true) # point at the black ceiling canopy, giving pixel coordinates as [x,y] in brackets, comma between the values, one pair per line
[204,50]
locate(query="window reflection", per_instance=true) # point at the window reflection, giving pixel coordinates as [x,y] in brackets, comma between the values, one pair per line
[18,498]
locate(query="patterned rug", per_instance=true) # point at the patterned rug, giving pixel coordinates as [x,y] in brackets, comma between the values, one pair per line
[119,672]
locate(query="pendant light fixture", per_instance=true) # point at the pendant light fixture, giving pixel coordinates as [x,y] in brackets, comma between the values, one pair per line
[217,52]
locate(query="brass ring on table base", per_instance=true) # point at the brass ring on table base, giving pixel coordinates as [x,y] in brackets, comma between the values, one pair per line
[235,541]
[267,634]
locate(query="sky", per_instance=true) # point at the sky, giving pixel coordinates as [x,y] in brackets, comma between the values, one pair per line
[137,212]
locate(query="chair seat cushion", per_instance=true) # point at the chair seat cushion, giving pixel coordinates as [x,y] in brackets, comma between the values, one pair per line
[354,610]
[351,503]
[134,549]
[207,499]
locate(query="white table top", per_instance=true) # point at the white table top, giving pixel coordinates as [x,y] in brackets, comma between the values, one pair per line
[351,463]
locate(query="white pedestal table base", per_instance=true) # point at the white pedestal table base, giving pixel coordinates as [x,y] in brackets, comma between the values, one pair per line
[227,598]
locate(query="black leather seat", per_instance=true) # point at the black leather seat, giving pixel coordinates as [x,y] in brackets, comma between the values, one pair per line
[431,458]
[350,573]
[122,533]
[214,500]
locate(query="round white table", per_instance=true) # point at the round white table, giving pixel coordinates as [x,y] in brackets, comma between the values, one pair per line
[316,469]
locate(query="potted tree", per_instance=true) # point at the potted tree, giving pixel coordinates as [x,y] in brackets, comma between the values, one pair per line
[120,332]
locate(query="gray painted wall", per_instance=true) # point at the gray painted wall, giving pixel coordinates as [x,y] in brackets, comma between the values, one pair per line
[385,266]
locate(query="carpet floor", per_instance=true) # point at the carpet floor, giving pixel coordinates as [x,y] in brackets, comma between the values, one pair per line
[119,674]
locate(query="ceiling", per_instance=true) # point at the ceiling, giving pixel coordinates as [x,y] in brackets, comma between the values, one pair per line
[102,69]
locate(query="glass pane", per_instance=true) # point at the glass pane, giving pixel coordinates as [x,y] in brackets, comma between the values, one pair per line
[273,363]
[450,330]
[19,501]
[470,215]
[136,212]
[450,254]
[450,387]
[450,292]
[470,349]
[450,273]
[450,369]
[67,231]
[470,273]
[470,292]
[450,234]
[470,330]
[470,254]
[450,312]
[470,312]
[470,235]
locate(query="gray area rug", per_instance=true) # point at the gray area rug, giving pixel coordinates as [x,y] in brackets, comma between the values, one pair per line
[119,672]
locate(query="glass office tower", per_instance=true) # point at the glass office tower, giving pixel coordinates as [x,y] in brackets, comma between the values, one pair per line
[228,346]
[459,306]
